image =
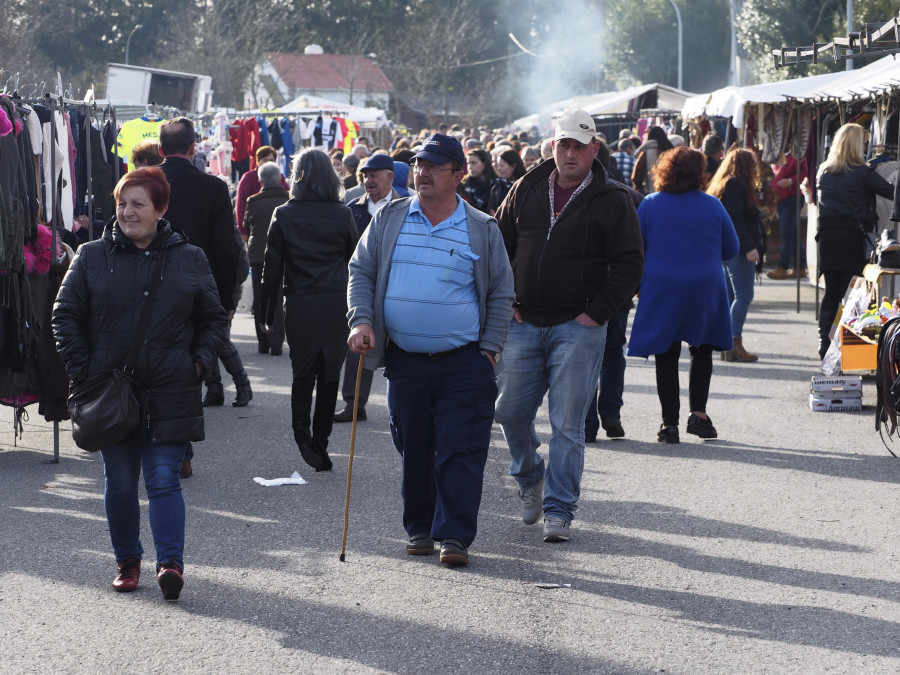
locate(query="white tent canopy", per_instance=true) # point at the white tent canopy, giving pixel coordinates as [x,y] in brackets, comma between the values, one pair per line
[731,101]
[605,103]
[315,105]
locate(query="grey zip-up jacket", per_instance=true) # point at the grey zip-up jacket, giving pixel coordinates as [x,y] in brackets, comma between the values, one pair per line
[370,268]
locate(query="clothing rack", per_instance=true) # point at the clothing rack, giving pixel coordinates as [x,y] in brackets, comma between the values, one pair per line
[61,102]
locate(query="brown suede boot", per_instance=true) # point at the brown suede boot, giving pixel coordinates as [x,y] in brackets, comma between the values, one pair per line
[777,273]
[741,354]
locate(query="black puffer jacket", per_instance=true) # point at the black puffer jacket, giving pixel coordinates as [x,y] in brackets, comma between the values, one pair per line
[592,260]
[99,305]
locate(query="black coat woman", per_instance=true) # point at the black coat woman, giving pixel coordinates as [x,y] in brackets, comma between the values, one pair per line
[846,189]
[94,319]
[311,239]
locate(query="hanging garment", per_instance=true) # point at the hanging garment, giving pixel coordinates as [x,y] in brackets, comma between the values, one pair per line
[135,131]
[263,131]
[274,131]
[350,132]
[288,143]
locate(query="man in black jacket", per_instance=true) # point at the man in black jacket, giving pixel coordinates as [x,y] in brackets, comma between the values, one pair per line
[200,207]
[378,177]
[574,241]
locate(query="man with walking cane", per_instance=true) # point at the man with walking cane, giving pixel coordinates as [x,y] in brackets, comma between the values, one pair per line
[430,298]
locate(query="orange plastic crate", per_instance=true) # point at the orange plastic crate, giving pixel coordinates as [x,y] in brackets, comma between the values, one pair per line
[858,354]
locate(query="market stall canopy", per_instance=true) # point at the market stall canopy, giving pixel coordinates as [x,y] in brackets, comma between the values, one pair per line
[310,105]
[731,101]
[607,103]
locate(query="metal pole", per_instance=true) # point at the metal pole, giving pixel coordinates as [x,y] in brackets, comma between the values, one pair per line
[798,156]
[128,41]
[733,70]
[53,223]
[680,44]
[849,62]
[90,183]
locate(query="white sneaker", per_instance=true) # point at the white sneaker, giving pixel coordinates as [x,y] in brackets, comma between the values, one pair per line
[532,502]
[555,529]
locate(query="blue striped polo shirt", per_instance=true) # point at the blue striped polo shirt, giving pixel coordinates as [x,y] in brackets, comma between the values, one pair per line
[431,304]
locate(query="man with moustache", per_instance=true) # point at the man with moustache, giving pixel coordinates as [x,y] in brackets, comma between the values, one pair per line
[378,177]
[430,298]
[574,241]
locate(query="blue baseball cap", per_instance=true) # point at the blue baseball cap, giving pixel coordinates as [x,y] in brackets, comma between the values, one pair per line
[440,149]
[378,162]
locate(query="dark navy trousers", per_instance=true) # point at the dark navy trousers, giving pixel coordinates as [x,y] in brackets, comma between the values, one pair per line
[441,412]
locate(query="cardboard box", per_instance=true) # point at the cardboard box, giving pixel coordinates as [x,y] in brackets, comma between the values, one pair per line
[834,404]
[859,354]
[836,383]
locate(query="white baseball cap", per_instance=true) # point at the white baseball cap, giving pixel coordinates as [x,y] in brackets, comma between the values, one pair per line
[576,124]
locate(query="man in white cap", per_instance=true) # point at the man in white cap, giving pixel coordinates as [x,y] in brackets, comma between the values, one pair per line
[574,241]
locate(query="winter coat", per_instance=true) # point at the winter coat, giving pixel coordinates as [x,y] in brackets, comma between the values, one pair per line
[257,217]
[744,217]
[687,237]
[590,262]
[846,204]
[200,207]
[98,308]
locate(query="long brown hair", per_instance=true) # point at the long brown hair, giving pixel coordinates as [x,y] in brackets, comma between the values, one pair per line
[739,163]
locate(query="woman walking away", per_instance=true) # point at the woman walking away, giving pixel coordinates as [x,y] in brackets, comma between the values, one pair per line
[647,155]
[846,190]
[734,184]
[687,235]
[311,239]
[94,320]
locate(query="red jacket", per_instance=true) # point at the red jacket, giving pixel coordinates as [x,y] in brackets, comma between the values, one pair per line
[788,170]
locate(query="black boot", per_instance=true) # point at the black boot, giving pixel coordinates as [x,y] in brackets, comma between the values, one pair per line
[319,446]
[213,398]
[305,444]
[243,396]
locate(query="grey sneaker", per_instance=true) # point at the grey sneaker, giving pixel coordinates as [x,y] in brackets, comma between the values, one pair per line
[555,529]
[532,502]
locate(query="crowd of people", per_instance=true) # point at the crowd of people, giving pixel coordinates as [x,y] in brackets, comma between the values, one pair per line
[483,272]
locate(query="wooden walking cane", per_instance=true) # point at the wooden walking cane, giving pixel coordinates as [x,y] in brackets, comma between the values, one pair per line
[359,370]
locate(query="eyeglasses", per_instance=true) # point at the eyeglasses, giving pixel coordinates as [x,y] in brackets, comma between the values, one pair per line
[421,168]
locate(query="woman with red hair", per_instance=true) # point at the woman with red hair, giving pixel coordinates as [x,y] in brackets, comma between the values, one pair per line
[687,235]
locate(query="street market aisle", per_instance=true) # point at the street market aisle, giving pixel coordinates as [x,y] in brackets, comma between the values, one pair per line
[773,549]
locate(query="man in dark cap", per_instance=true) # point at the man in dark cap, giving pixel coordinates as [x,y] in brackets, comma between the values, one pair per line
[430,298]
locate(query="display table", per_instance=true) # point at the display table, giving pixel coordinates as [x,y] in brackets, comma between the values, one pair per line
[859,353]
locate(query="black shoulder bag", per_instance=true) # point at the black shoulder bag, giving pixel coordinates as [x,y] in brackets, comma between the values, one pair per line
[103,408]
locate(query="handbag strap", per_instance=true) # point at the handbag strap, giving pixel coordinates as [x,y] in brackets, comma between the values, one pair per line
[144,320]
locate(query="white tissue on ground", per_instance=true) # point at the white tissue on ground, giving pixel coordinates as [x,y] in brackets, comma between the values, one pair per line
[295,479]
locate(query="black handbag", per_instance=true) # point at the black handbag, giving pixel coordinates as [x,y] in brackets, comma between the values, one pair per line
[103,408]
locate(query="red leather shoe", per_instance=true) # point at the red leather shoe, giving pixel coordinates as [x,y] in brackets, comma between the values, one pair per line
[170,581]
[129,575]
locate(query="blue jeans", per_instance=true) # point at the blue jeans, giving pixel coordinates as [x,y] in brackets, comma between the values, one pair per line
[562,361]
[161,464]
[441,414]
[607,398]
[740,274]
[787,216]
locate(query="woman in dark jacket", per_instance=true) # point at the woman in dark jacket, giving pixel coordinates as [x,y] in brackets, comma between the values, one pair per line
[734,184]
[94,319]
[311,240]
[480,177]
[510,168]
[846,189]
[647,155]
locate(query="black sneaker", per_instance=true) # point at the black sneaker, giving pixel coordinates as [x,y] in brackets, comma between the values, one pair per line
[420,544]
[701,427]
[454,553]
[612,427]
[667,434]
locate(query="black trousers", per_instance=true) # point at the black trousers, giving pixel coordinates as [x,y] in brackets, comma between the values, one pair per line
[348,386]
[667,385]
[836,284]
[274,340]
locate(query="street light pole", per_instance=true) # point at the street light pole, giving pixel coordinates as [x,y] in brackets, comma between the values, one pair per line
[680,45]
[128,41]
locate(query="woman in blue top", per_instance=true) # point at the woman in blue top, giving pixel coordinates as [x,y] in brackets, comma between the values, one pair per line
[687,235]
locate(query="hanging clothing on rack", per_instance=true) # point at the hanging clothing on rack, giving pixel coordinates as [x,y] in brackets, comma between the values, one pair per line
[135,131]
[287,138]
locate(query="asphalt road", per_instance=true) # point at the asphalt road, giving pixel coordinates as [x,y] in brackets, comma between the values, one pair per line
[773,549]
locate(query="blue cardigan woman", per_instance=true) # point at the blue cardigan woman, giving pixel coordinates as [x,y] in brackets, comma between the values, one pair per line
[687,235]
